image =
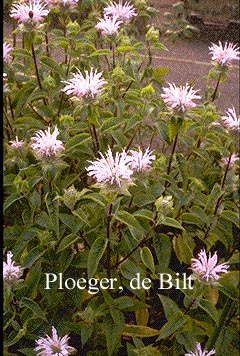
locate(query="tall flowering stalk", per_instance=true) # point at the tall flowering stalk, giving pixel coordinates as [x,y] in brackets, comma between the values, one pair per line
[223,56]
[178,100]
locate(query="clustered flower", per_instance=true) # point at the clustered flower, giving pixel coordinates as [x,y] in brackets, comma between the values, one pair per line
[224,55]
[141,161]
[206,268]
[114,14]
[88,86]
[109,25]
[199,352]
[33,11]
[71,3]
[232,120]
[7,49]
[46,144]
[55,346]
[120,10]
[180,97]
[11,273]
[119,169]
[16,143]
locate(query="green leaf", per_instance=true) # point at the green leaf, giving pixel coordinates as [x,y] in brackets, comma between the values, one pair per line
[10,200]
[97,198]
[128,219]
[174,323]
[139,331]
[163,250]
[189,218]
[144,213]
[182,249]
[123,302]
[216,192]
[113,332]
[210,309]
[67,241]
[100,52]
[231,216]
[72,222]
[33,256]
[147,258]
[183,169]
[95,254]
[52,65]
[172,222]
[35,308]
[23,97]
[169,306]
[13,341]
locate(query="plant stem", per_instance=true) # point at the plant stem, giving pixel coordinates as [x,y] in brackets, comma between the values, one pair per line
[216,332]
[138,69]
[62,94]
[172,153]
[95,140]
[216,88]
[221,196]
[223,183]
[47,46]
[140,244]
[36,67]
[109,218]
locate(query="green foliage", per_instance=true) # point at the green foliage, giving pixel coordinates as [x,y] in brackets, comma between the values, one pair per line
[104,246]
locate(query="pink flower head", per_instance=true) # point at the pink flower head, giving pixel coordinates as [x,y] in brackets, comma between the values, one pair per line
[120,10]
[62,2]
[16,143]
[54,346]
[7,49]
[111,169]
[33,11]
[207,268]
[180,97]
[199,352]
[141,161]
[232,120]
[88,86]
[224,55]
[46,144]
[70,2]
[233,159]
[109,25]
[11,273]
